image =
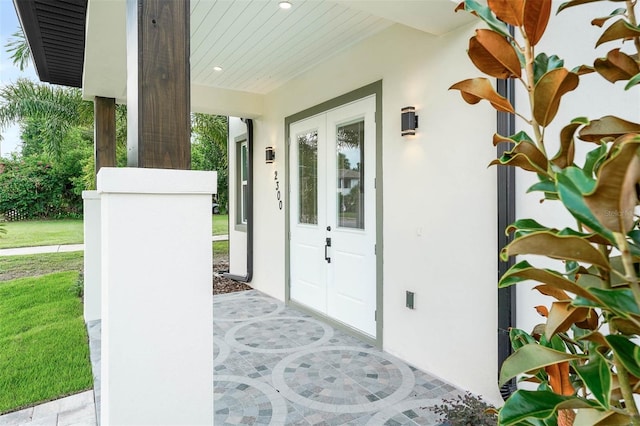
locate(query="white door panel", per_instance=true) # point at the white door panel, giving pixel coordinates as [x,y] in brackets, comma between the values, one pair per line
[343,286]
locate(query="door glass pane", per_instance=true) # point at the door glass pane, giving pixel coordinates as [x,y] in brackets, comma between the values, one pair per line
[308,177]
[350,170]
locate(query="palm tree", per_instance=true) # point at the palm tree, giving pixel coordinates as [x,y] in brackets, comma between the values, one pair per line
[19,49]
[57,108]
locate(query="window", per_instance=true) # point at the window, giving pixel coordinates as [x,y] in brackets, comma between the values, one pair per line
[242,155]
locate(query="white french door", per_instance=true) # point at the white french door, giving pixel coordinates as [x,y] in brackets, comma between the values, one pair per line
[333,215]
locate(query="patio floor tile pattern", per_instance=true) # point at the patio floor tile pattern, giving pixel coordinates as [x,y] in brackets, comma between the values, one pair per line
[276,365]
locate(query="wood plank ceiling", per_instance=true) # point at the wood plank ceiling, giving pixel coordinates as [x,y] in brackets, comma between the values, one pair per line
[260,46]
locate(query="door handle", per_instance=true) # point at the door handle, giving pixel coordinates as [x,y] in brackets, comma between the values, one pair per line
[326,247]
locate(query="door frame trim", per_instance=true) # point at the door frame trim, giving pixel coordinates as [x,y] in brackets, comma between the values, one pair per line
[355,95]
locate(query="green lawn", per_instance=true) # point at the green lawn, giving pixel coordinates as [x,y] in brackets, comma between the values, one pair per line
[220,224]
[12,267]
[42,233]
[43,341]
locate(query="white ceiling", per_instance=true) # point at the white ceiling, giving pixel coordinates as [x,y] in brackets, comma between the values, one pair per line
[259,46]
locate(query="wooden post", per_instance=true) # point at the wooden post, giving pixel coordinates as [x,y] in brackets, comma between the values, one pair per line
[104,132]
[158,84]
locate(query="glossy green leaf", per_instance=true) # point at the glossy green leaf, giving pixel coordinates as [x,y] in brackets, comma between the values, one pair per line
[525,225]
[544,64]
[513,139]
[627,352]
[523,405]
[544,186]
[531,357]
[523,271]
[519,338]
[596,375]
[620,29]
[525,155]
[545,243]
[594,159]
[573,199]
[483,12]
[633,81]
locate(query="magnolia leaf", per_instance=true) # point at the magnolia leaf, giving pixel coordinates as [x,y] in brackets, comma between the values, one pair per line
[548,92]
[572,3]
[509,11]
[566,153]
[524,155]
[545,243]
[476,89]
[597,338]
[621,301]
[615,197]
[546,186]
[583,69]
[620,29]
[525,225]
[607,128]
[594,159]
[483,12]
[492,54]
[590,323]
[573,199]
[542,310]
[523,271]
[617,66]
[540,404]
[562,316]
[519,338]
[552,291]
[596,375]
[596,417]
[599,22]
[536,18]
[626,351]
[544,64]
[529,358]
[559,378]
[513,139]
[633,81]
[625,326]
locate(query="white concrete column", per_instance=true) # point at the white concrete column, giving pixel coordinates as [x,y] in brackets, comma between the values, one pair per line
[157,319]
[92,272]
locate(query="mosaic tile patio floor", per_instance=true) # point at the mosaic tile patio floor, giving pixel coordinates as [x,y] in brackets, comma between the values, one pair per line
[276,365]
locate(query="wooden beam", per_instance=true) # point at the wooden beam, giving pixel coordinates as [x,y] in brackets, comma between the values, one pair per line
[158,84]
[104,132]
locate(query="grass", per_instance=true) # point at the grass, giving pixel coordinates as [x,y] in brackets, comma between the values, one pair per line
[43,342]
[12,267]
[42,233]
[220,224]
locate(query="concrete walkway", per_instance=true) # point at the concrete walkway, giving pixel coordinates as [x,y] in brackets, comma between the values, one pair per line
[66,248]
[74,410]
[41,249]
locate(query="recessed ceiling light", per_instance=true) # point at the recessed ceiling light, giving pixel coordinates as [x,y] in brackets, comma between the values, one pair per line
[217,68]
[285,5]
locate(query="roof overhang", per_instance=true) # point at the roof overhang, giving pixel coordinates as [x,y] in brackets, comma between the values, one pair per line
[55,31]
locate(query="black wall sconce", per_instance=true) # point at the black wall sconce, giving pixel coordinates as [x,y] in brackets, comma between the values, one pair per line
[409,121]
[270,155]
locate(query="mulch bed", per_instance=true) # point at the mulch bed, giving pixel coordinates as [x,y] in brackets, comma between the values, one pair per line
[222,285]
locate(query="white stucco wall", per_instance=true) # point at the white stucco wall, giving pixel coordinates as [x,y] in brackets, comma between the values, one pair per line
[439,199]
[594,98]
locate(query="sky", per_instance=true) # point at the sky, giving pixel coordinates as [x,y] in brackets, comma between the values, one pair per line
[9,72]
